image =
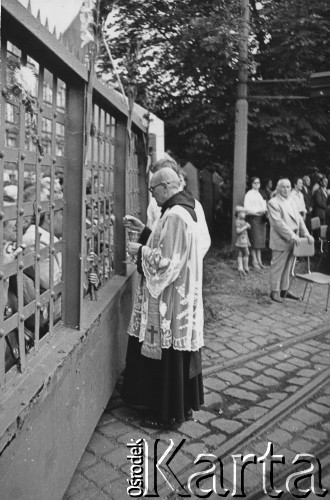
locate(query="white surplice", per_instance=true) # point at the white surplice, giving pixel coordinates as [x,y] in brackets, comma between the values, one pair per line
[168,308]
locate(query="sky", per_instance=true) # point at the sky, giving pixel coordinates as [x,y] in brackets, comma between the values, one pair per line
[60,13]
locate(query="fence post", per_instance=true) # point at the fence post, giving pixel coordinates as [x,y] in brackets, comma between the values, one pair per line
[3,295]
[120,166]
[74,189]
[143,180]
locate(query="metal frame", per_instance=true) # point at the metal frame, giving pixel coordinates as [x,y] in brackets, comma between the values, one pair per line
[310,278]
[120,166]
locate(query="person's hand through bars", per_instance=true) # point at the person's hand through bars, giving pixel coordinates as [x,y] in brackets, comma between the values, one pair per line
[9,257]
[92,275]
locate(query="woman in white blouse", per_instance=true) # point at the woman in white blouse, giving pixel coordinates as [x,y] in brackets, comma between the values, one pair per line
[256,209]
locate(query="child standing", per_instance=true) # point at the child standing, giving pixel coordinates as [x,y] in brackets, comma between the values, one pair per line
[242,242]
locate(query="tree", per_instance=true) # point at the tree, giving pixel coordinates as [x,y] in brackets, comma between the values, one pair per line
[187,66]
[289,136]
[183,67]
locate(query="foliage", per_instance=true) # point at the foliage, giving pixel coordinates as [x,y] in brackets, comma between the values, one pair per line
[183,68]
[289,136]
[182,59]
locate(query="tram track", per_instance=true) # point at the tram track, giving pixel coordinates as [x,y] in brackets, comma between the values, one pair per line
[323,456]
[266,350]
[116,402]
[244,440]
[285,408]
[253,432]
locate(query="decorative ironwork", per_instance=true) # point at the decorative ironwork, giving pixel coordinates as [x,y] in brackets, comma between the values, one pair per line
[133,199]
[99,194]
[32,175]
[41,146]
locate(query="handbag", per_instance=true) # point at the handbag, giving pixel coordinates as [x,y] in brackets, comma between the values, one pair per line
[303,248]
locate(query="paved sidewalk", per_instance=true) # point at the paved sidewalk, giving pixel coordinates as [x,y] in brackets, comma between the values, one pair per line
[266,368]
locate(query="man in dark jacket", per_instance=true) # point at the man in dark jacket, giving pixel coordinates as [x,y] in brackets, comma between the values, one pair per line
[308,197]
[320,198]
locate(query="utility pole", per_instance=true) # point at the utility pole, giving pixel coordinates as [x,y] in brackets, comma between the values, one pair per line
[241,115]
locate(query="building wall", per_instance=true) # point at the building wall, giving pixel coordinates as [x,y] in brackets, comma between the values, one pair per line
[50,423]
[156,129]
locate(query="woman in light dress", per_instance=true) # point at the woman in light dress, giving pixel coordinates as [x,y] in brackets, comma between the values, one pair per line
[256,208]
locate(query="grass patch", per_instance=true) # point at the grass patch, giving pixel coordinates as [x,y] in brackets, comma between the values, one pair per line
[224,290]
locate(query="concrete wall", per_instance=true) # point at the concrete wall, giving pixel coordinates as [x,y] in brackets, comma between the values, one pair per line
[49,419]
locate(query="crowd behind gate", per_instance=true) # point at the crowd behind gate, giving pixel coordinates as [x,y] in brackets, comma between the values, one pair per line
[50,274]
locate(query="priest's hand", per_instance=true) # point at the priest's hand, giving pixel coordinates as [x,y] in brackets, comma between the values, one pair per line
[132,222]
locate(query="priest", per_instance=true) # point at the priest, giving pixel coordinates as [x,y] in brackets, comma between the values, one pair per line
[163,374]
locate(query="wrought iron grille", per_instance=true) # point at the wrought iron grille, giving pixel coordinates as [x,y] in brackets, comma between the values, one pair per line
[58,174]
[99,200]
[133,198]
[32,152]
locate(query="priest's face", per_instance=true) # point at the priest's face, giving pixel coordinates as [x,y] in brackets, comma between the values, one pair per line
[159,192]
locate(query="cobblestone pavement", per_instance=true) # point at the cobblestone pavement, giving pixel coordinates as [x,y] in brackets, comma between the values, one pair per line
[266,369]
